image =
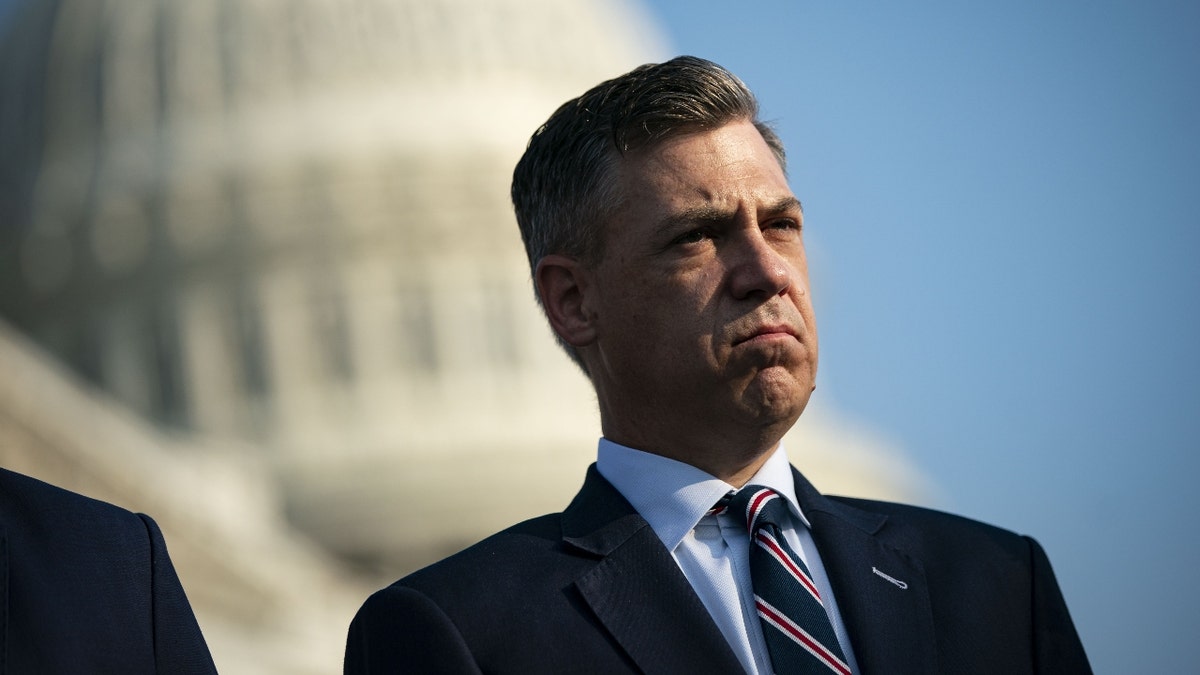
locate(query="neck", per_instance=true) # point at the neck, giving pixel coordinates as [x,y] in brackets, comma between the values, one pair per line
[737,477]
[735,464]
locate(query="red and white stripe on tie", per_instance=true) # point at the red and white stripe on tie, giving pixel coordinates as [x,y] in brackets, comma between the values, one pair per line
[767,541]
[799,635]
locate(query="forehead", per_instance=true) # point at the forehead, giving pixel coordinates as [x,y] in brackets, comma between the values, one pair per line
[722,167]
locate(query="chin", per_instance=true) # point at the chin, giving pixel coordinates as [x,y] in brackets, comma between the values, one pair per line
[775,397]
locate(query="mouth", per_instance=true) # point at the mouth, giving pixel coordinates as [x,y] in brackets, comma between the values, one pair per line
[769,332]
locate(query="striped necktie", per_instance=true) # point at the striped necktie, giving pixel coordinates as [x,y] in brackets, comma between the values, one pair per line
[799,636]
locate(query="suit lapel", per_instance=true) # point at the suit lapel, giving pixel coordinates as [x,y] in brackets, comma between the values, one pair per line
[637,590]
[881,592]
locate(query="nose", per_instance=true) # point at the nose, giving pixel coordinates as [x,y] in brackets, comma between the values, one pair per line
[757,269]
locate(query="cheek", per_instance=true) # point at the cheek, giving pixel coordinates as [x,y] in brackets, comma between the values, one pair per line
[672,317]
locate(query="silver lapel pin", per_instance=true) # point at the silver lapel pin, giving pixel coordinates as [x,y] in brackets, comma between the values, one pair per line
[892,579]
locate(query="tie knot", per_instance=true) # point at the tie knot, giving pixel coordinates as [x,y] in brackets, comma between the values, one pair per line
[759,506]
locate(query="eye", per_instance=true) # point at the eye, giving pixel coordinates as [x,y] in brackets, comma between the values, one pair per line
[783,228]
[691,237]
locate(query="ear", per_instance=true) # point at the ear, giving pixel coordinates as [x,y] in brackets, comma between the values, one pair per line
[562,284]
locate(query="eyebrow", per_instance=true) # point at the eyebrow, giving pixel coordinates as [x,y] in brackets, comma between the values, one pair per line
[711,214]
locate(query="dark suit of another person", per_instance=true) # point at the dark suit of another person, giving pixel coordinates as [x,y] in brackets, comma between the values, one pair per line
[87,587]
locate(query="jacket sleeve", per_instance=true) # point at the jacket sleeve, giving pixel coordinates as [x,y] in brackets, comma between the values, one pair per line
[1056,644]
[400,630]
[179,645]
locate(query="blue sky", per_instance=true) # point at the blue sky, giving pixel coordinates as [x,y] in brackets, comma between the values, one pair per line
[1002,219]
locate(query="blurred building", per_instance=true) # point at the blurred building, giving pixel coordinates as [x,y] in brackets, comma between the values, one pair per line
[269,600]
[269,242]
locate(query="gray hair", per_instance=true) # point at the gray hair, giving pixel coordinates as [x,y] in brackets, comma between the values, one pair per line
[564,187]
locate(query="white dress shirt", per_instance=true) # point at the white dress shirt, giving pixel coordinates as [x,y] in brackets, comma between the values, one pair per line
[714,551]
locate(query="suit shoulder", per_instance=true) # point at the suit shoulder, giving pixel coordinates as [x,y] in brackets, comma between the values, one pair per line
[914,512]
[35,504]
[470,609]
[527,559]
[58,533]
[500,553]
[984,581]
[939,529]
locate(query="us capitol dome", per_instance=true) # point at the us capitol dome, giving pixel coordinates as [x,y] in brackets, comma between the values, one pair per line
[287,222]
[283,227]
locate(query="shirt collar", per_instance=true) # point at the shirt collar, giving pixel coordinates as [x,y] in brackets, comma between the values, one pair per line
[673,496]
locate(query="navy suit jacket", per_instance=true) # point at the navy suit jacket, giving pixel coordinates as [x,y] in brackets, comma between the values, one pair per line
[87,587]
[593,590]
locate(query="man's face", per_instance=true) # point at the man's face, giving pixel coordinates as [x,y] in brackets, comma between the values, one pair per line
[704,324]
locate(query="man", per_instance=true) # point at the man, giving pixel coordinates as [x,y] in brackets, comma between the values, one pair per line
[87,587]
[667,254]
